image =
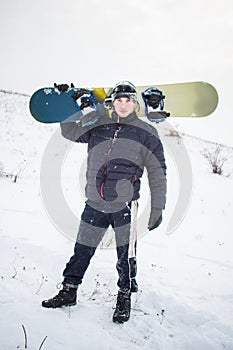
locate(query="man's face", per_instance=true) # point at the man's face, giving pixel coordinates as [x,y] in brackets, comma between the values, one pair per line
[124,106]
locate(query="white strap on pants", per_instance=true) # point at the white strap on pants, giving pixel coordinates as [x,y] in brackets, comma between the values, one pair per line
[133,229]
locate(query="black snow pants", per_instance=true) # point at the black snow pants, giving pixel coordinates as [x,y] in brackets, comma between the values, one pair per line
[93,226]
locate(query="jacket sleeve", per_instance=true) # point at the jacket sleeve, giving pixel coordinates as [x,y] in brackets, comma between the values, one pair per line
[156,169]
[75,132]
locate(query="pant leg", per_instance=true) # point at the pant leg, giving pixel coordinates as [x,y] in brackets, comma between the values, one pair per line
[133,267]
[92,227]
[121,225]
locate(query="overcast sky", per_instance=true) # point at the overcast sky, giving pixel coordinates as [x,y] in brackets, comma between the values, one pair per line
[94,42]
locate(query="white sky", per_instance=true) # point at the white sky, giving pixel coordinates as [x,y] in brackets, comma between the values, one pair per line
[94,42]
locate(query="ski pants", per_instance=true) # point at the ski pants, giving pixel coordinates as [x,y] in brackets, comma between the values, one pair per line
[93,226]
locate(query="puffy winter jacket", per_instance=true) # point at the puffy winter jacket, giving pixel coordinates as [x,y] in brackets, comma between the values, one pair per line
[118,151]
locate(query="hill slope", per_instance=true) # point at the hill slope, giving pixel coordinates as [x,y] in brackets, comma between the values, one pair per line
[186,285]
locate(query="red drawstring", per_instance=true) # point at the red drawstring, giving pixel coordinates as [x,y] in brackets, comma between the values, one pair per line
[102,190]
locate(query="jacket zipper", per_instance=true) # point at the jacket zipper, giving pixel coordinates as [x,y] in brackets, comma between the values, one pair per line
[107,159]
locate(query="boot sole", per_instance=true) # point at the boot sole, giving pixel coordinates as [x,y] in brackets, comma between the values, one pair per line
[120,320]
[58,307]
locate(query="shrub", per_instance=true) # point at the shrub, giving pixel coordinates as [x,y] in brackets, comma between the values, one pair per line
[216,159]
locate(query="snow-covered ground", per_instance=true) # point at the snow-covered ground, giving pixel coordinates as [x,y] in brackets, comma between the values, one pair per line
[185,300]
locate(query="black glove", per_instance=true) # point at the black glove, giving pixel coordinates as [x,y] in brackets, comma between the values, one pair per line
[85,102]
[155,218]
[63,87]
[84,98]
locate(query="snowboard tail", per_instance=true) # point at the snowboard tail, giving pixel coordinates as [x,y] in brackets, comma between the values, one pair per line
[192,99]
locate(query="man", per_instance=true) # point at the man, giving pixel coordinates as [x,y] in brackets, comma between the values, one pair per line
[119,147]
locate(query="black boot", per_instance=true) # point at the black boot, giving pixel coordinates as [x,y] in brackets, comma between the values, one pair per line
[123,306]
[66,297]
[133,286]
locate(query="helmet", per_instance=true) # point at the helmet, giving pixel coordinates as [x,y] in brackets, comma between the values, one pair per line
[124,89]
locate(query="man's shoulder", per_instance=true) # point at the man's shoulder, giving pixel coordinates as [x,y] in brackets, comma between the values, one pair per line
[148,128]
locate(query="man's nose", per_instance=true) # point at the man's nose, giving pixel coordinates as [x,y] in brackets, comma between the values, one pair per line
[123,104]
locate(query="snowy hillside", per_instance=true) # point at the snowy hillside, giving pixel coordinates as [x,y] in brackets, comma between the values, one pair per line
[185,300]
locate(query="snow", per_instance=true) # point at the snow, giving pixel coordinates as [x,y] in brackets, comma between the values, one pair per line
[185,279]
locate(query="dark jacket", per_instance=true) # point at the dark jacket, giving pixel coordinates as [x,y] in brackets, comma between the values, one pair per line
[118,151]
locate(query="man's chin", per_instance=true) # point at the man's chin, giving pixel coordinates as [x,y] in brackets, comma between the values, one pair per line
[123,115]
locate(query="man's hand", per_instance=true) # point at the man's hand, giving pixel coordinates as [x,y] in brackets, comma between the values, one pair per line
[84,99]
[63,87]
[155,218]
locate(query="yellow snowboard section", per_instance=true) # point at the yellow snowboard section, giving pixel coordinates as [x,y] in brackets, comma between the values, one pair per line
[191,99]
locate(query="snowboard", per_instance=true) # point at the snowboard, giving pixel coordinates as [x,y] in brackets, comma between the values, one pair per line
[191,99]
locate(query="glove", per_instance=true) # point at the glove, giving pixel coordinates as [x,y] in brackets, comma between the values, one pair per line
[63,87]
[85,102]
[155,218]
[84,98]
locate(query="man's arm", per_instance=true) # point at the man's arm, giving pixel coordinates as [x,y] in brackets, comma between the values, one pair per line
[85,102]
[156,170]
[75,132]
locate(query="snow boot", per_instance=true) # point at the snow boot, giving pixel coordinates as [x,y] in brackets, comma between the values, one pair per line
[133,286]
[66,297]
[123,307]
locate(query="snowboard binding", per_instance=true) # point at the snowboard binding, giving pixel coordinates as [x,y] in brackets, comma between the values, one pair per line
[154,102]
[84,101]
